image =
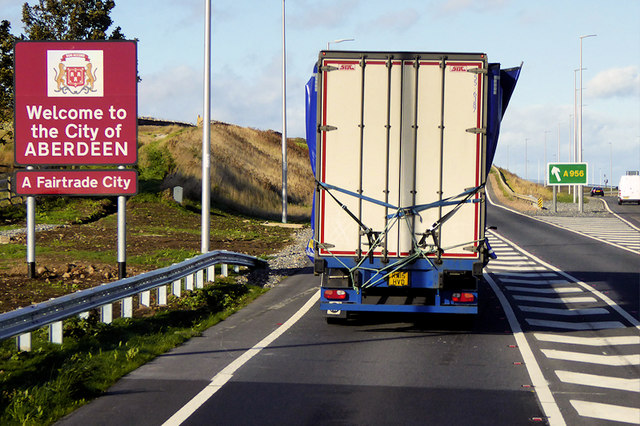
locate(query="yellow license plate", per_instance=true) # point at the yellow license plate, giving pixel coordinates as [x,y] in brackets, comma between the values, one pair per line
[399,279]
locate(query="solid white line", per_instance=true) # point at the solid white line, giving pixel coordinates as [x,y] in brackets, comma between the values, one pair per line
[563,311]
[588,341]
[604,298]
[540,385]
[553,290]
[565,300]
[619,383]
[607,411]
[598,325]
[225,375]
[612,360]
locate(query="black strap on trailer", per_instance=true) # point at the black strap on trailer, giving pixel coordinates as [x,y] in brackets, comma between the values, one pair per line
[419,247]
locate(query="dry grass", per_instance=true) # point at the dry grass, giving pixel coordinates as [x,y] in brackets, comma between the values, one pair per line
[246,167]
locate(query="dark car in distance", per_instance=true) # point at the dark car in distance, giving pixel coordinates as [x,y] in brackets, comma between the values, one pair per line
[596,190]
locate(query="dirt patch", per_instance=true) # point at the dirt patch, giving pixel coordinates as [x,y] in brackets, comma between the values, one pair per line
[155,232]
[496,192]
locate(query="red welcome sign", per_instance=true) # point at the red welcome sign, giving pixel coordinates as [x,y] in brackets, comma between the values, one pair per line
[76,182]
[76,103]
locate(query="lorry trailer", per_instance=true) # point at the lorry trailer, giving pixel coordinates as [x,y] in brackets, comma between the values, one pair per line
[400,145]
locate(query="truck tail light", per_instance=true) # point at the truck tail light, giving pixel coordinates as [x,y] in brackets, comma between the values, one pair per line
[463,297]
[335,294]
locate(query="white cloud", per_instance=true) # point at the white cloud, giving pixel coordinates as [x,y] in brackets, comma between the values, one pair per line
[447,7]
[397,21]
[174,94]
[322,14]
[615,82]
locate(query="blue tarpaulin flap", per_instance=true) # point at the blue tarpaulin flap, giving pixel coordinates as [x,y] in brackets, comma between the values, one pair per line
[501,86]
[311,106]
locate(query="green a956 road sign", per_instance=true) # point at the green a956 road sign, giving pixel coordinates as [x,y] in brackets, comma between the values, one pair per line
[567,173]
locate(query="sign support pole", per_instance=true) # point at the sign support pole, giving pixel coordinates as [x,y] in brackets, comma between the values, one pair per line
[31,235]
[206,133]
[122,235]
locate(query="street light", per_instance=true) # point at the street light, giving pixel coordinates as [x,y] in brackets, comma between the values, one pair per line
[580,195]
[340,40]
[284,119]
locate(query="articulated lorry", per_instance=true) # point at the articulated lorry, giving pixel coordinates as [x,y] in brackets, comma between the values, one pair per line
[400,144]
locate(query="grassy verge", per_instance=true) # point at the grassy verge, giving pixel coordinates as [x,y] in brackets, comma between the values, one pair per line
[42,386]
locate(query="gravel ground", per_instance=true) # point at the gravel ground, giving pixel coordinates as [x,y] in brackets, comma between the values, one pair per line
[19,231]
[286,262]
[595,207]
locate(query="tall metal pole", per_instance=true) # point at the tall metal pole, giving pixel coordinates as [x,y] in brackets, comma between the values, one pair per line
[580,195]
[31,234]
[610,165]
[122,235]
[206,132]
[284,119]
[575,128]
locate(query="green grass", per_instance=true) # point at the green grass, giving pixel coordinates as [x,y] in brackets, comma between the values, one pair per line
[41,386]
[162,257]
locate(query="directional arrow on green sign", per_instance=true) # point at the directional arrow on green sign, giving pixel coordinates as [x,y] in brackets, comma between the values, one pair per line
[567,173]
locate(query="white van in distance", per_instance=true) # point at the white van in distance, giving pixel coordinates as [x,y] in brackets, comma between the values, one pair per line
[629,189]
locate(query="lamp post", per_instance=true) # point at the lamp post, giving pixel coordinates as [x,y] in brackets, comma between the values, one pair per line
[610,165]
[284,119]
[340,40]
[580,195]
[206,133]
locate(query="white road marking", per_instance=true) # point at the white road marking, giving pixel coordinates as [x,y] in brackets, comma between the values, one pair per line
[541,386]
[226,374]
[588,341]
[607,411]
[532,282]
[613,360]
[563,311]
[565,300]
[619,383]
[552,290]
[597,325]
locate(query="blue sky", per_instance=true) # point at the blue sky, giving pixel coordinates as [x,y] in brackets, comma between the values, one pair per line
[246,62]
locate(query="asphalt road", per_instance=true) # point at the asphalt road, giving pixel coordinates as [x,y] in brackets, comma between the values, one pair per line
[629,212]
[386,369]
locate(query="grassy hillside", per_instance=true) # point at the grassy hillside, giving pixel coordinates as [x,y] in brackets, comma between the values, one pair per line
[246,167]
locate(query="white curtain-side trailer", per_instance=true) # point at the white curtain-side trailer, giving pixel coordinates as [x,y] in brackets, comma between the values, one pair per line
[400,144]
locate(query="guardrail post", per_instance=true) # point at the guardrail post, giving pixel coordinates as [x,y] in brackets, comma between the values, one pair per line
[211,273]
[200,279]
[188,283]
[127,307]
[176,288]
[145,298]
[224,271]
[162,295]
[55,332]
[23,342]
[106,313]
